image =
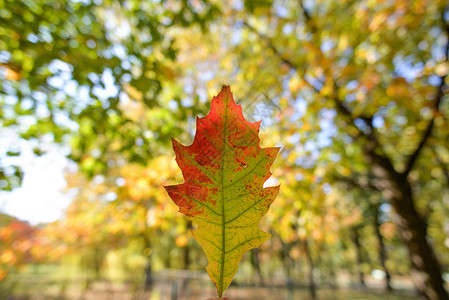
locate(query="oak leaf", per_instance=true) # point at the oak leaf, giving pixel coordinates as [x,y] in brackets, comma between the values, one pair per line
[224,171]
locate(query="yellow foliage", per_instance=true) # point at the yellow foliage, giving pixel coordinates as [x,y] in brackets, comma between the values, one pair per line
[377,20]
[398,88]
[295,84]
[181,241]
[8,257]
[3,274]
[10,74]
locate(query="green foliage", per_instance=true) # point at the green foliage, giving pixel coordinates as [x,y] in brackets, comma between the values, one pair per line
[75,67]
[334,82]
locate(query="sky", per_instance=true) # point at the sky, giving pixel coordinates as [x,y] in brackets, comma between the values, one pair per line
[41,196]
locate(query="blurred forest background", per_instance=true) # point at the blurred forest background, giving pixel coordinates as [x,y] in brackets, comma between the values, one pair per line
[355,92]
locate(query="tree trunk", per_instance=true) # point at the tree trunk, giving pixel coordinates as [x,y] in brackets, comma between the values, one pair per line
[426,270]
[189,227]
[148,274]
[186,257]
[324,260]
[256,265]
[148,268]
[288,263]
[358,247]
[333,278]
[382,250]
[312,286]
[98,261]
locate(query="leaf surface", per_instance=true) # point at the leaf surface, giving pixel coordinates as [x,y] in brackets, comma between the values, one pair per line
[224,171]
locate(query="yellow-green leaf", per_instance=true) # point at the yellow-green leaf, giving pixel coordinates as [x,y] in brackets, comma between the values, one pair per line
[224,171]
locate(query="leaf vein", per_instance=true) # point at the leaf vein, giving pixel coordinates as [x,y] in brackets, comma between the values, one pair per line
[247,209]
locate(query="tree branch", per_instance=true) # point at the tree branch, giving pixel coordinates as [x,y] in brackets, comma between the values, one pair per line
[438,98]
[271,46]
[341,108]
[355,183]
[307,17]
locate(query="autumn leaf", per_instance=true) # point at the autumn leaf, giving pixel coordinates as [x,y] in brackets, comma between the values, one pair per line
[224,171]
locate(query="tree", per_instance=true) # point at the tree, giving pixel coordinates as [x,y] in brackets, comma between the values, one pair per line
[17,242]
[71,68]
[126,207]
[354,91]
[373,83]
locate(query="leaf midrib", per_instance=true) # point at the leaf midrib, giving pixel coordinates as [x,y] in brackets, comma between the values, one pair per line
[223,226]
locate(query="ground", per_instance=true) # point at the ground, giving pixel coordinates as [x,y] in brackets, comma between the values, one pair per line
[175,290]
